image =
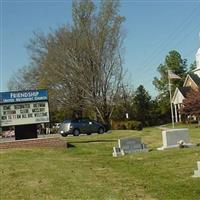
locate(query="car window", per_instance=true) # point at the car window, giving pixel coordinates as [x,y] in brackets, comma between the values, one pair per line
[84,121]
[75,121]
[67,121]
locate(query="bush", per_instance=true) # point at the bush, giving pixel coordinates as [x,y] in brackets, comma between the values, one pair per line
[54,130]
[124,125]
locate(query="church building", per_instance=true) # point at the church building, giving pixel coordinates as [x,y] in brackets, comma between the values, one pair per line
[192,82]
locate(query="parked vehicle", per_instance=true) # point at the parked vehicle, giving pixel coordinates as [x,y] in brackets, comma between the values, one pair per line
[79,126]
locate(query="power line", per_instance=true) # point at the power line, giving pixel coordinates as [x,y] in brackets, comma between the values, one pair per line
[180,41]
[147,68]
[172,35]
[150,79]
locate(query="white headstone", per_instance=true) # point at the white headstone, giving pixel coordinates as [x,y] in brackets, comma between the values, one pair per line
[116,152]
[174,137]
[197,172]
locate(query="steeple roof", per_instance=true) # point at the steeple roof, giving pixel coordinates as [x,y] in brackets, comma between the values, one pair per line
[195,78]
[198,52]
[198,59]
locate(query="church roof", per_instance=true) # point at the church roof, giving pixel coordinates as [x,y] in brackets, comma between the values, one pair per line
[180,94]
[185,90]
[195,78]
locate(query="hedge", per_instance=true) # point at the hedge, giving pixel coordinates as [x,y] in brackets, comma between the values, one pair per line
[127,125]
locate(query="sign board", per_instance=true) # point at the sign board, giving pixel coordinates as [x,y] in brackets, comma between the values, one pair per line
[24,107]
[23,96]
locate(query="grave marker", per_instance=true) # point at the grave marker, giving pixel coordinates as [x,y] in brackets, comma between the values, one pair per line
[173,137]
[197,172]
[129,145]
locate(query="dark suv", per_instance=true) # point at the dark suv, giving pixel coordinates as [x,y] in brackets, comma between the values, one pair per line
[79,126]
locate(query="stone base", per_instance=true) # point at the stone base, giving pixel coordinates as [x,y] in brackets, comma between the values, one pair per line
[116,152]
[175,146]
[135,151]
[196,174]
[119,152]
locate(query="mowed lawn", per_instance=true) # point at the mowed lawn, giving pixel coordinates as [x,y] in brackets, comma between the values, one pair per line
[87,170]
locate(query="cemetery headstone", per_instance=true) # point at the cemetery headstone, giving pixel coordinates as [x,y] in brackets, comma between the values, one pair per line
[197,172]
[174,138]
[129,145]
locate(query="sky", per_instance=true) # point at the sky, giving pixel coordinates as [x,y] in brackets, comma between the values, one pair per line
[152,29]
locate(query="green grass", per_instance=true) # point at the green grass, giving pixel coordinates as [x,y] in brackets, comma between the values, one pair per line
[87,170]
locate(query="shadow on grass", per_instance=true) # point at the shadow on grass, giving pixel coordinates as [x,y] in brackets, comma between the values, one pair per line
[89,141]
[69,145]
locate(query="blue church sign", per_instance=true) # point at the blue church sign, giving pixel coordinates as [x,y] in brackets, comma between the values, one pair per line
[23,96]
[24,107]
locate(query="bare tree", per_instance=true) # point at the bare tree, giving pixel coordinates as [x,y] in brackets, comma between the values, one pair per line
[81,65]
[98,56]
[25,78]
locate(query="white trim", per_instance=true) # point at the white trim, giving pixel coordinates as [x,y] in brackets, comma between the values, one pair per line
[186,79]
[179,114]
[176,112]
[175,95]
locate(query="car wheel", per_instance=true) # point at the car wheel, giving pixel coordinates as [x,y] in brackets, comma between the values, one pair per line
[101,130]
[76,132]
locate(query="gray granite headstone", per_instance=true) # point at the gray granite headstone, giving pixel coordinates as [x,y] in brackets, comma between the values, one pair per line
[172,138]
[131,145]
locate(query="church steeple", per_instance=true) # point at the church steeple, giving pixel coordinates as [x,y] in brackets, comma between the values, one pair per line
[198,59]
[197,70]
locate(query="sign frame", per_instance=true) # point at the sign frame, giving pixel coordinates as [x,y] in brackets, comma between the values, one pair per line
[24,107]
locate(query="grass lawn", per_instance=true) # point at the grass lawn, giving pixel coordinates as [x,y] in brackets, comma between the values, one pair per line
[87,170]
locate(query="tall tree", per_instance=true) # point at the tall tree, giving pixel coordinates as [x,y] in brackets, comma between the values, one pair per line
[174,62]
[125,104]
[25,78]
[81,64]
[142,101]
